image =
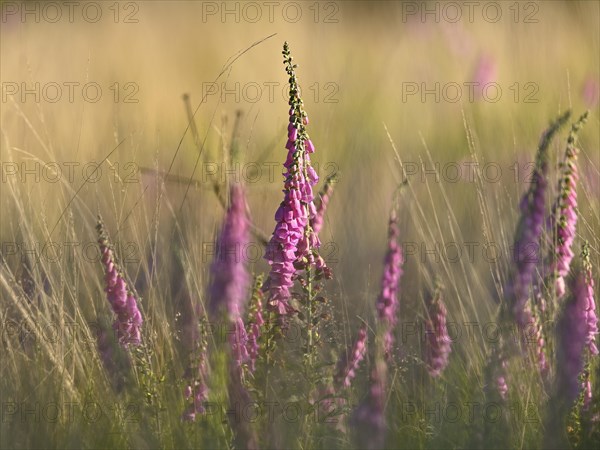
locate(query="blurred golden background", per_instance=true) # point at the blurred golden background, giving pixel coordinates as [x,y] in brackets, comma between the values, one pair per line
[363,66]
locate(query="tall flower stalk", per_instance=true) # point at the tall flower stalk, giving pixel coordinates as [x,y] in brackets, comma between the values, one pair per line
[369,417]
[577,332]
[350,361]
[294,244]
[586,291]
[128,318]
[227,297]
[529,230]
[536,333]
[332,398]
[324,197]
[438,345]
[563,219]
[387,302]
[230,280]
[196,390]
[255,324]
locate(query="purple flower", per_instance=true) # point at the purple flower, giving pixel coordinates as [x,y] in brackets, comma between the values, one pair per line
[238,341]
[128,320]
[438,342]
[387,302]
[540,343]
[349,362]
[529,230]
[369,417]
[196,391]
[330,401]
[245,435]
[496,373]
[116,362]
[325,196]
[502,386]
[197,395]
[229,277]
[564,220]
[255,324]
[576,330]
[500,378]
[294,243]
[584,289]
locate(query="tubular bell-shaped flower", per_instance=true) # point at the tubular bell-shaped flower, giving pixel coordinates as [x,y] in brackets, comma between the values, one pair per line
[529,229]
[349,362]
[196,391]
[563,219]
[128,320]
[585,290]
[387,302]
[438,345]
[255,324]
[537,333]
[324,197]
[229,277]
[577,330]
[294,244]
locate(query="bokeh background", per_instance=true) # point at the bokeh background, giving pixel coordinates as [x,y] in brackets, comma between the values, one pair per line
[358,64]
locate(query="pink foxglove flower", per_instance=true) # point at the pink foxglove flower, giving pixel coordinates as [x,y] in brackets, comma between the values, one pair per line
[563,219]
[496,374]
[348,364]
[387,302]
[577,329]
[529,230]
[369,417]
[438,345]
[324,196]
[229,276]
[238,341]
[128,320]
[584,289]
[255,324]
[540,344]
[293,245]
[331,401]
[196,391]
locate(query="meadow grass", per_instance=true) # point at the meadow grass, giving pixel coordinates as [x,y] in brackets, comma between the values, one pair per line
[56,389]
